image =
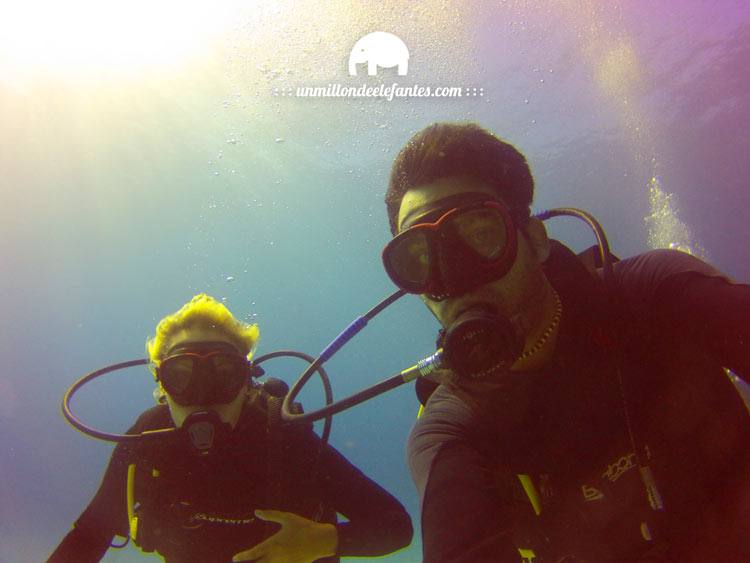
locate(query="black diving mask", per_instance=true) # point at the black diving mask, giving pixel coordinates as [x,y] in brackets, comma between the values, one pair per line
[454,249]
[206,373]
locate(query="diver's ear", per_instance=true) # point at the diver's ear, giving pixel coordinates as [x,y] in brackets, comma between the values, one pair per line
[536,234]
[160,395]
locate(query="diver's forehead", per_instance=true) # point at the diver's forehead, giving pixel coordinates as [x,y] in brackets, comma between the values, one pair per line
[200,338]
[443,193]
[202,347]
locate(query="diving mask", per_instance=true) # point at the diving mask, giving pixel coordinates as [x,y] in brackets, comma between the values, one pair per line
[466,247]
[205,373]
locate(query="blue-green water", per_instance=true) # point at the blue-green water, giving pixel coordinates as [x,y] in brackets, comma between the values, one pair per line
[125,192]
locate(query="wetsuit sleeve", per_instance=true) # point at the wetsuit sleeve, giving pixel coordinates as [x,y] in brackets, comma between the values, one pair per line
[106,514]
[464,519]
[695,301]
[378,523]
[103,518]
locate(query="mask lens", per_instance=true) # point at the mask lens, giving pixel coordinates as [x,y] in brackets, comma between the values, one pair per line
[227,376]
[409,259]
[483,230]
[176,373]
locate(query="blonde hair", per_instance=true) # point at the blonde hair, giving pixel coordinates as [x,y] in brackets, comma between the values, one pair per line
[202,311]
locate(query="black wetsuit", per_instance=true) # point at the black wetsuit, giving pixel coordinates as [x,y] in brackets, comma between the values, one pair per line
[542,466]
[201,509]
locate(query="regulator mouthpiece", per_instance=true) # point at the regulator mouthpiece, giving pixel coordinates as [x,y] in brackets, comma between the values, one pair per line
[480,344]
[206,431]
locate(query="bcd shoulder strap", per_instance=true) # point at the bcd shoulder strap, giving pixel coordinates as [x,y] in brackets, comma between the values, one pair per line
[274,450]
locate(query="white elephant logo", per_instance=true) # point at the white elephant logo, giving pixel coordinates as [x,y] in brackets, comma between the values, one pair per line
[379,48]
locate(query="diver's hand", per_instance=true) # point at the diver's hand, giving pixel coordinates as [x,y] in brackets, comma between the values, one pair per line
[299,541]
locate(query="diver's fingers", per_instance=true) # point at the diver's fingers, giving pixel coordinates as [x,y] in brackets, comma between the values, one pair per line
[257,553]
[276,516]
[263,550]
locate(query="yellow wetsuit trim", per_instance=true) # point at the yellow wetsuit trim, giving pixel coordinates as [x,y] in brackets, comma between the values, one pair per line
[531,492]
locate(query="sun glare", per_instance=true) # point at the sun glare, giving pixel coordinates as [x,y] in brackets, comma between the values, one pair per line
[87,35]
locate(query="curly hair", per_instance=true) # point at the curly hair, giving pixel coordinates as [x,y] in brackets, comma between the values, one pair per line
[446,150]
[202,311]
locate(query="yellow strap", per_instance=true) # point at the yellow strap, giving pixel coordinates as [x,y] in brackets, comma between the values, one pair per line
[531,492]
[132,518]
[527,555]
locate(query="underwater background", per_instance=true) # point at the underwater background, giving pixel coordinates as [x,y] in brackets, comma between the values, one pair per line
[147,154]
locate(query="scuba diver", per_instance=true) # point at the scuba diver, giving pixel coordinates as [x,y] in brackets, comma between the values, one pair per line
[583,412]
[214,475]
